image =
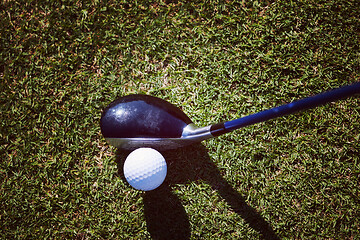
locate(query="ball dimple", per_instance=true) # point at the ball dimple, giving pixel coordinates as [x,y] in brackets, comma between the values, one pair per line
[145,169]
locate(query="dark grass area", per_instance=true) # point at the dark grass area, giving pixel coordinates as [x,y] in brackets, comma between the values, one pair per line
[62,62]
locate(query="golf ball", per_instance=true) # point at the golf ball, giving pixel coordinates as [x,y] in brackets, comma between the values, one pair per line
[145,169]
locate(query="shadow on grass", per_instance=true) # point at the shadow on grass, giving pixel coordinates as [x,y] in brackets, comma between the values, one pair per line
[166,217]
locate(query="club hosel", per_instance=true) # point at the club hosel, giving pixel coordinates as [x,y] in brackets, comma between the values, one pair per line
[218,129]
[192,132]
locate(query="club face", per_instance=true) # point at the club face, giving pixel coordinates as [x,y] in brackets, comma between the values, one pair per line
[137,121]
[160,144]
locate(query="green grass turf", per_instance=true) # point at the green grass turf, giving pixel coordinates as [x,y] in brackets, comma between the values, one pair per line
[62,62]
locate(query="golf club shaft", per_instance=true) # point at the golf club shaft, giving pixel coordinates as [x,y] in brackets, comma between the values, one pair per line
[306,103]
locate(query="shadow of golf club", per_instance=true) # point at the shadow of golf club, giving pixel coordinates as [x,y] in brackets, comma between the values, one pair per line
[166,217]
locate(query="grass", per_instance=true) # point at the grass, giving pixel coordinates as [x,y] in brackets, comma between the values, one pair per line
[61,63]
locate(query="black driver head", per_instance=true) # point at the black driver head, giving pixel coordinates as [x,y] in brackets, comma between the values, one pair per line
[142,117]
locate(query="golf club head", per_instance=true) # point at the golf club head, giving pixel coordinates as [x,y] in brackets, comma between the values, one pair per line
[137,120]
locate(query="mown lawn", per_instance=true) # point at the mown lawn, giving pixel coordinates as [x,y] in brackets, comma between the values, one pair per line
[62,62]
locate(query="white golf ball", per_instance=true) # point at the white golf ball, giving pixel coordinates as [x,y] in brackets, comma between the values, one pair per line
[145,169]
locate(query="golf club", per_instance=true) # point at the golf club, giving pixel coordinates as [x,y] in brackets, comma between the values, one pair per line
[137,120]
